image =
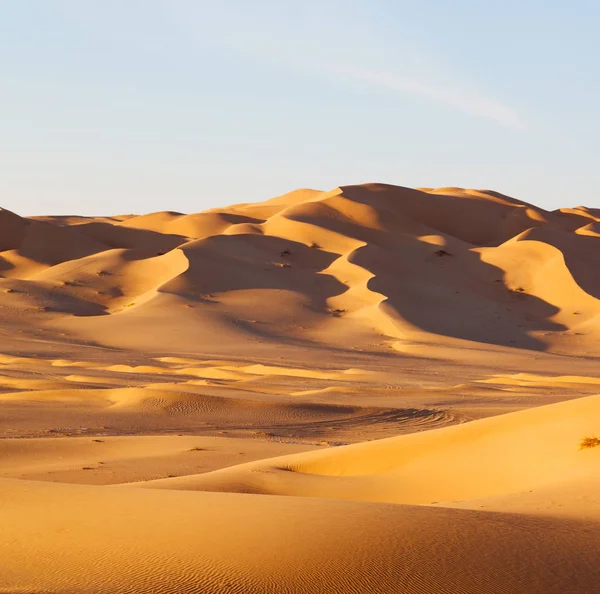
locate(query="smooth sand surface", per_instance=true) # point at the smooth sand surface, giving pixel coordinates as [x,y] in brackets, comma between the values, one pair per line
[73,538]
[372,389]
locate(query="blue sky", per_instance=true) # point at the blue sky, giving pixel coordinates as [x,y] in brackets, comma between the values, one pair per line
[139,105]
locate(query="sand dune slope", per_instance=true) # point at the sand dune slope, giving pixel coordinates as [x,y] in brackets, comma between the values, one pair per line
[213,542]
[376,263]
[500,455]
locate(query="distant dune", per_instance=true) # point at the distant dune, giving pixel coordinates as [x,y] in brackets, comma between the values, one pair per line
[374,389]
[361,261]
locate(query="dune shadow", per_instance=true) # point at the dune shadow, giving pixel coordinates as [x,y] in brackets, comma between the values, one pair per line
[5,265]
[581,254]
[456,294]
[224,263]
[120,237]
[449,292]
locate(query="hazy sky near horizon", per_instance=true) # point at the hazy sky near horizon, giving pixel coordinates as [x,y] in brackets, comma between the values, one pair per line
[140,105]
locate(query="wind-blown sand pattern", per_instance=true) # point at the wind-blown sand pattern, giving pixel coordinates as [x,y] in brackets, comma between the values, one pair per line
[373,389]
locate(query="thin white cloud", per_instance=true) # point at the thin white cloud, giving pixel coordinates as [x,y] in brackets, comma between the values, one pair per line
[269,31]
[468,101]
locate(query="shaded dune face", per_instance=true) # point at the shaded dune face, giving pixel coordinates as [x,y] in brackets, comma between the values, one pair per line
[366,261]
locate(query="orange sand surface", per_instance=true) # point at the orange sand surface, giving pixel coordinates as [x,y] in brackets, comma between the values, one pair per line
[372,389]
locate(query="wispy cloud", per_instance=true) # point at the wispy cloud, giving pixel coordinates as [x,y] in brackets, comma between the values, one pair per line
[466,100]
[327,37]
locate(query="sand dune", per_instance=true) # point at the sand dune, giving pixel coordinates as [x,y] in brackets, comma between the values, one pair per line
[110,460]
[205,542]
[373,262]
[496,456]
[368,389]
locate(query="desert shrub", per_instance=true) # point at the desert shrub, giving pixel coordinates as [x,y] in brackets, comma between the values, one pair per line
[589,442]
